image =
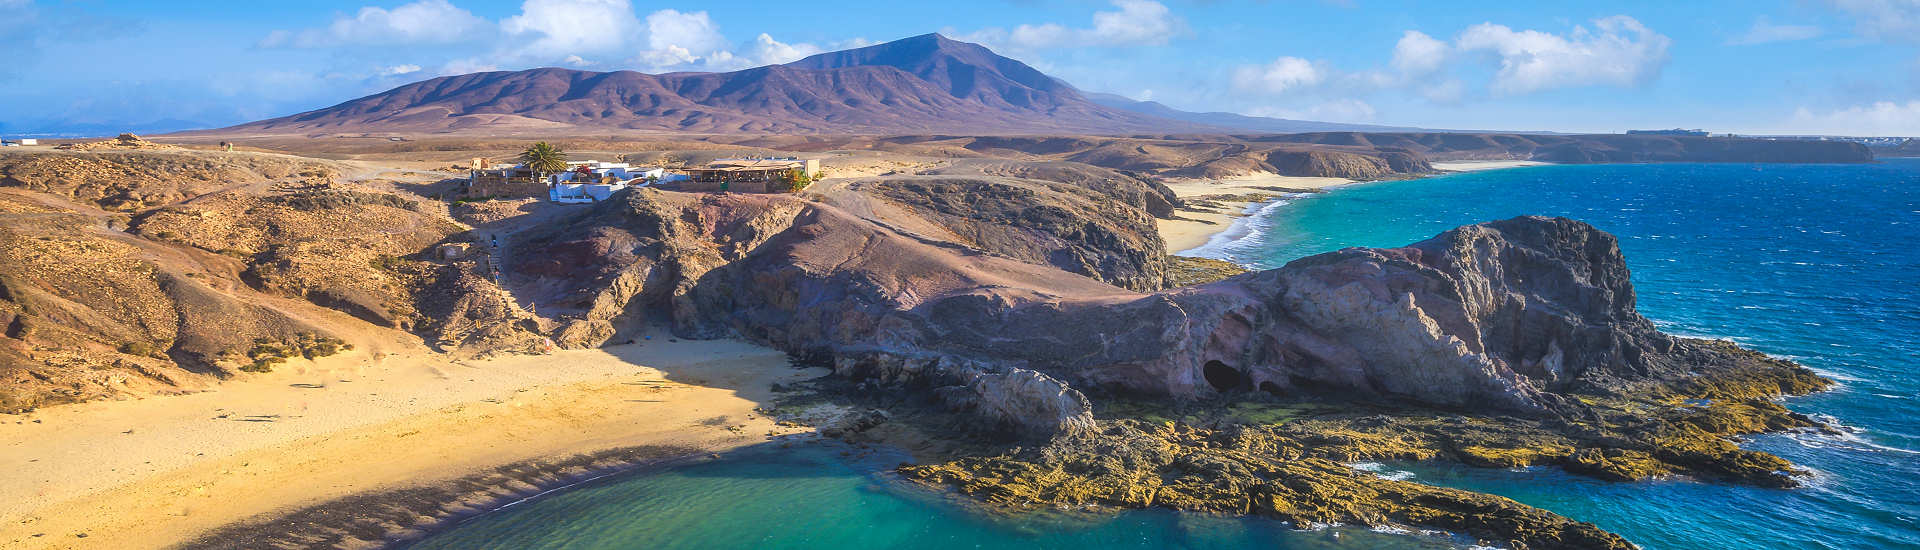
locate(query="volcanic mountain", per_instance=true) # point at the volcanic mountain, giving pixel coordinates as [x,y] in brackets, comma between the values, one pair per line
[923,84]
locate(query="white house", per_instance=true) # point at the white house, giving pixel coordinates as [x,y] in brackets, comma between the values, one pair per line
[593,170]
[593,181]
[661,175]
[578,193]
[29,141]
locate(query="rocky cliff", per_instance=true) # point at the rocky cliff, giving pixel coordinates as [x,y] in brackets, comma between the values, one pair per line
[1512,315]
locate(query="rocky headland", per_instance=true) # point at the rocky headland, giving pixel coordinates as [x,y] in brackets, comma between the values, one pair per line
[1510,343]
[1018,315]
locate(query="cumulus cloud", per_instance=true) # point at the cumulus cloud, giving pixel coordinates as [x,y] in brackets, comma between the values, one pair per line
[465,66]
[1884,118]
[1132,23]
[766,51]
[1883,19]
[1612,51]
[1616,51]
[1619,52]
[1417,54]
[694,32]
[572,33]
[1765,32]
[397,70]
[555,28]
[1282,75]
[422,22]
[691,41]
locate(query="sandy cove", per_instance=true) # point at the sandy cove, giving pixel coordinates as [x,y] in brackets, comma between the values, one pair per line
[1193,227]
[1478,165]
[161,471]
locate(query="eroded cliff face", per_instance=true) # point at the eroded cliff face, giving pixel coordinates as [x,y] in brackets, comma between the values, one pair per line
[799,276]
[1505,314]
[1514,315]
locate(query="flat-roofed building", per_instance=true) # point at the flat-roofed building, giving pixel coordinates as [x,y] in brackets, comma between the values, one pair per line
[486,180]
[749,175]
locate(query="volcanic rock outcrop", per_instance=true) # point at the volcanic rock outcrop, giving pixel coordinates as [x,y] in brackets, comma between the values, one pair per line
[1077,218]
[1509,315]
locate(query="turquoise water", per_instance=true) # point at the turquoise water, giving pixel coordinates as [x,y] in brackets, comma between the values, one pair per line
[1820,263]
[812,497]
[1817,263]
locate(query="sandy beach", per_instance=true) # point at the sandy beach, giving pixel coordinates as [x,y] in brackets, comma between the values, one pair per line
[1231,196]
[159,471]
[1478,165]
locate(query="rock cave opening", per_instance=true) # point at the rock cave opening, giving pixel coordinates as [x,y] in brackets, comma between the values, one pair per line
[1224,378]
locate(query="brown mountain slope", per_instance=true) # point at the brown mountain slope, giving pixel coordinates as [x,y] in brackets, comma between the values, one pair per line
[925,83]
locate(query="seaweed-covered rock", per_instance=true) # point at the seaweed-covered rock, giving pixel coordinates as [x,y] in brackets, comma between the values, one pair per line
[1237,471]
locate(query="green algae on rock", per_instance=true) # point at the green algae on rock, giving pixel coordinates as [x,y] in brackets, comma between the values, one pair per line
[1288,459]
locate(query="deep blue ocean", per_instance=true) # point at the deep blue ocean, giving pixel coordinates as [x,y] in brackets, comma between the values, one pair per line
[1819,263]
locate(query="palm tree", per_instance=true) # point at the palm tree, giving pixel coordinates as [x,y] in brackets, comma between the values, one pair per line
[543,157]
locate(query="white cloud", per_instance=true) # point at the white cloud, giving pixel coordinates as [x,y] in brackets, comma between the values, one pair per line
[1622,52]
[551,29]
[1282,75]
[1134,23]
[397,70]
[422,22]
[767,51]
[1765,32]
[465,66]
[1885,118]
[1138,21]
[691,41]
[1340,110]
[694,32]
[1883,19]
[1418,54]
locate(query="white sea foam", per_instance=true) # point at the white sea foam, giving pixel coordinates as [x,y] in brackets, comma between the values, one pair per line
[1382,471]
[1391,530]
[1247,231]
[1842,436]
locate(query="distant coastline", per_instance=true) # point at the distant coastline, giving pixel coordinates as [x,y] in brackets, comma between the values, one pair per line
[1226,207]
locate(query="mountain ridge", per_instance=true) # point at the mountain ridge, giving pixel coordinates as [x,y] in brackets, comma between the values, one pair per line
[926,83]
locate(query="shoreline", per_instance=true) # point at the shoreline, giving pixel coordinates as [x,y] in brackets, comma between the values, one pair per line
[1219,207]
[400,517]
[305,451]
[1215,205]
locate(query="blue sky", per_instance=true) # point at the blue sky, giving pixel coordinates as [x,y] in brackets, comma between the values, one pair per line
[1760,66]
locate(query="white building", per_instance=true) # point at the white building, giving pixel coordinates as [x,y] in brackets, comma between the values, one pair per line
[580,193]
[594,181]
[29,141]
[593,170]
[661,175]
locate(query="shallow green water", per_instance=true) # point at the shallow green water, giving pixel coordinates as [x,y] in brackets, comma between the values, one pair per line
[812,497]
